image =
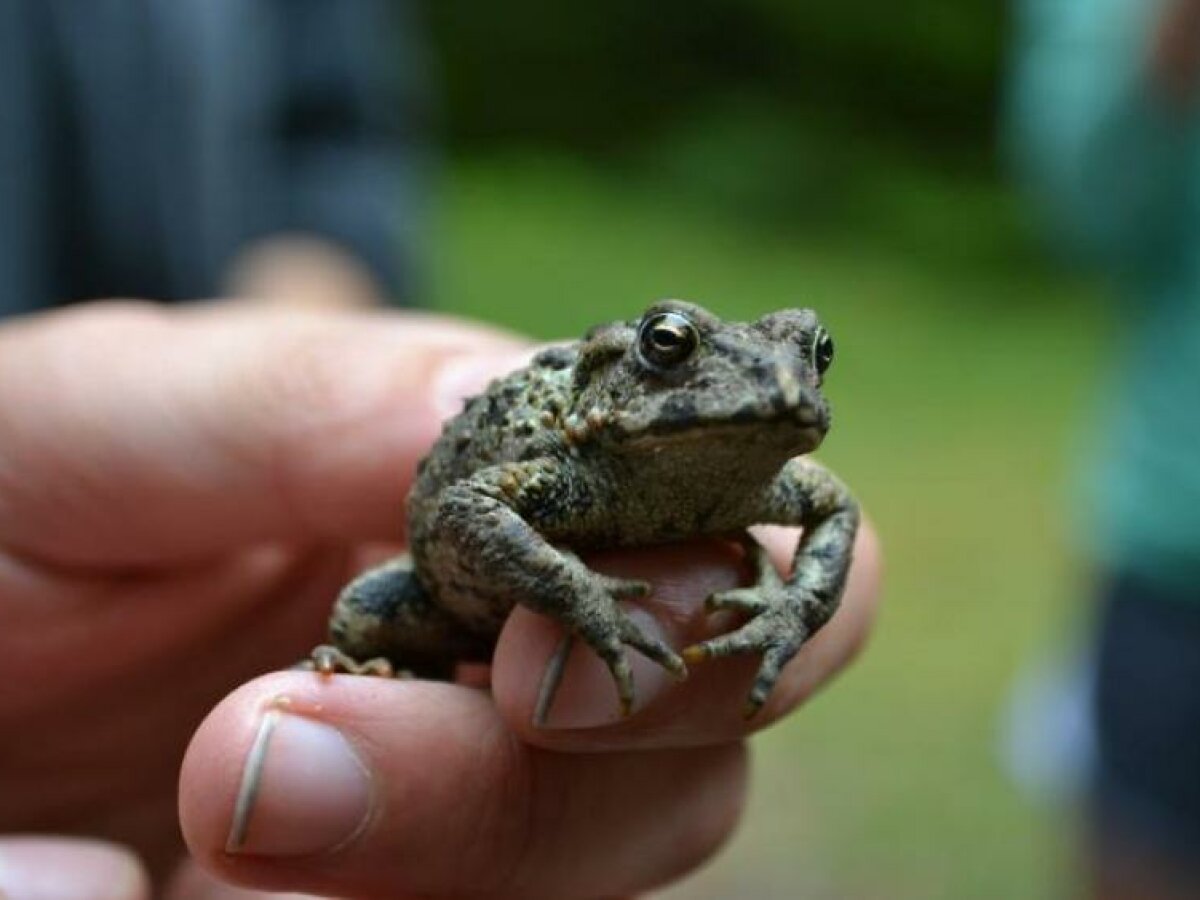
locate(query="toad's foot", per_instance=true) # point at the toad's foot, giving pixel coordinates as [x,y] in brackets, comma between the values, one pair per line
[604,626]
[782,617]
[327,659]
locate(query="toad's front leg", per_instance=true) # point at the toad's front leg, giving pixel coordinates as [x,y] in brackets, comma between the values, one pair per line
[486,546]
[784,614]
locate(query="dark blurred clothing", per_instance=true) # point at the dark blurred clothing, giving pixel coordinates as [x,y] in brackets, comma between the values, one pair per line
[144,143]
[1148,716]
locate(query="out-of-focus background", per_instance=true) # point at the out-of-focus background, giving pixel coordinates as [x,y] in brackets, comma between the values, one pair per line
[761,153]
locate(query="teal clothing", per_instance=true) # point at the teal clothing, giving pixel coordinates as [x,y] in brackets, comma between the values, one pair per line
[1115,170]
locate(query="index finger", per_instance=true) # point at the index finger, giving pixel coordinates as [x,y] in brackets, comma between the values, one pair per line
[135,435]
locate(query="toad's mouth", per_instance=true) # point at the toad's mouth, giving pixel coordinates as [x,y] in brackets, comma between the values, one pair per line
[798,435]
[684,416]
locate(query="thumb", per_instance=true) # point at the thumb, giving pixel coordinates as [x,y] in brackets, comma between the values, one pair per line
[135,435]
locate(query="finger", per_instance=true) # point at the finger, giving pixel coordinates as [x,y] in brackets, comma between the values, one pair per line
[261,424]
[69,637]
[191,882]
[388,788]
[46,868]
[708,706]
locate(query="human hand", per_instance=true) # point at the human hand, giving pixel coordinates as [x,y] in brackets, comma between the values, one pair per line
[181,495]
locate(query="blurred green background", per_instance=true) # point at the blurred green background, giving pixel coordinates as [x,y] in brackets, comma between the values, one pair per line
[760,153]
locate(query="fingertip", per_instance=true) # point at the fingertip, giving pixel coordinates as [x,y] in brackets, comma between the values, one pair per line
[869,559]
[40,868]
[864,588]
[586,714]
[461,376]
[584,695]
[712,704]
[212,766]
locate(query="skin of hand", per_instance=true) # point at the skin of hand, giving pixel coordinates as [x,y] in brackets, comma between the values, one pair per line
[1175,52]
[302,271]
[182,492]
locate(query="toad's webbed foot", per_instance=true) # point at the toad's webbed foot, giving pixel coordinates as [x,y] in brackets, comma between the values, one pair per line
[607,629]
[782,616]
[327,660]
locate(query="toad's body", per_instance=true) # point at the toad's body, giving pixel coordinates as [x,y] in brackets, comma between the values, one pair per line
[674,426]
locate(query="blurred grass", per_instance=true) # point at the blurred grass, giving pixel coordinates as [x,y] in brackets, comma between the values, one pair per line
[960,384]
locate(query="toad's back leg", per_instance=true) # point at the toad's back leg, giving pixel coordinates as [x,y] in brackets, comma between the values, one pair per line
[387,613]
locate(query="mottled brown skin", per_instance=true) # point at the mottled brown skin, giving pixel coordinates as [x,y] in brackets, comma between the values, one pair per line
[673,426]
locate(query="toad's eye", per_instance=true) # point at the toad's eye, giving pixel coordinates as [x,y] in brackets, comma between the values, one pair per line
[822,350]
[667,339]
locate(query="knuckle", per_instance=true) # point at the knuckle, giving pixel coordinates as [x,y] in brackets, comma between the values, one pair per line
[509,820]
